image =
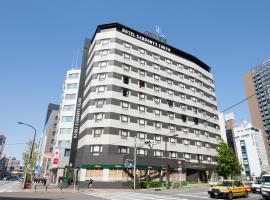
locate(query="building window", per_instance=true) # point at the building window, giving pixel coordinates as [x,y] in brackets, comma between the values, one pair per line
[99,116]
[158,153]
[185,130]
[67,119]
[141,152]
[142,51]
[70,96]
[169,82]
[67,153]
[196,121]
[171,115]
[124,133]
[105,42]
[157,112]
[186,142]
[126,79]
[192,89]
[169,71]
[126,67]
[156,67]
[141,135]
[187,156]
[156,88]
[172,154]
[181,75]
[172,127]
[198,144]
[101,89]
[142,84]
[142,108]
[142,72]
[207,145]
[65,130]
[156,77]
[157,100]
[194,99]
[69,107]
[141,96]
[195,110]
[170,103]
[191,70]
[127,56]
[180,66]
[104,52]
[170,92]
[125,92]
[127,45]
[172,140]
[102,76]
[71,86]
[157,138]
[125,105]
[142,62]
[99,103]
[123,150]
[124,118]
[96,149]
[73,76]
[103,64]
[183,97]
[209,159]
[182,86]
[183,107]
[157,125]
[197,132]
[155,56]
[184,118]
[97,132]
[142,122]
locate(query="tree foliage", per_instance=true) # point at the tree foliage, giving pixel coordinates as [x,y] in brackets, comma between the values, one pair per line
[227,162]
[26,155]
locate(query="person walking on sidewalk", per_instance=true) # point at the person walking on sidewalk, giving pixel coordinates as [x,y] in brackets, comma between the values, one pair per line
[90,184]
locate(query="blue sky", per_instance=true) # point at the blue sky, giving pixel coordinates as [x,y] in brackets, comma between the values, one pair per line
[38,40]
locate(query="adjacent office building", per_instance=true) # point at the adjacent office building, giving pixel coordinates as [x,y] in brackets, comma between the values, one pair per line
[257,86]
[2,144]
[136,87]
[251,150]
[47,141]
[229,126]
[63,138]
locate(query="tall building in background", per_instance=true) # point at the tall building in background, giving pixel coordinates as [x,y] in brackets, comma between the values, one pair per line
[222,127]
[135,87]
[2,144]
[229,126]
[47,141]
[63,138]
[257,82]
[251,150]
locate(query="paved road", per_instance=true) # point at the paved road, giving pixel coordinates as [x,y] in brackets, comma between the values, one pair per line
[182,194]
[10,186]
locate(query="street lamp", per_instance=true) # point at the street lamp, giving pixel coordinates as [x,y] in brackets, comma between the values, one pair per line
[167,156]
[31,151]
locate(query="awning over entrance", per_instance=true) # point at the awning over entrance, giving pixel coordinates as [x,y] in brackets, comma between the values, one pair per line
[108,166]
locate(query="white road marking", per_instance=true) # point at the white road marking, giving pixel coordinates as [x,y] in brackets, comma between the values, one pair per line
[189,195]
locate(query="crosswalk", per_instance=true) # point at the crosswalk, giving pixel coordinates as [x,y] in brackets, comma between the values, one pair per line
[132,196]
[10,186]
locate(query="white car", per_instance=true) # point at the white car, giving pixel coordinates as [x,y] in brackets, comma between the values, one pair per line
[256,187]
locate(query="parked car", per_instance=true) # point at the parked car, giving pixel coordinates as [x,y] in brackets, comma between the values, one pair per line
[256,186]
[229,189]
[12,178]
[21,179]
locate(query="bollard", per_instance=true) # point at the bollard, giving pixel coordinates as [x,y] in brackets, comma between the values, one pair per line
[78,188]
[46,188]
[35,188]
[61,187]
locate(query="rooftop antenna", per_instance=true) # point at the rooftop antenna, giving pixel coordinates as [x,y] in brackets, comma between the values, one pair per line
[73,60]
[77,58]
[158,31]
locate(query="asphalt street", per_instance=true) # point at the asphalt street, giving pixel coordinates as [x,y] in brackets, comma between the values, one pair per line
[198,193]
[10,186]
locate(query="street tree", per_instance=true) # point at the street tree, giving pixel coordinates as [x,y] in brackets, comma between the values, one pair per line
[26,155]
[227,162]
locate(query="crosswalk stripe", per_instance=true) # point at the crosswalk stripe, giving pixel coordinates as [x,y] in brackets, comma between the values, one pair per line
[133,196]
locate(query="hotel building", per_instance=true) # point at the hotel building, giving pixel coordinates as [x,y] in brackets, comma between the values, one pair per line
[135,87]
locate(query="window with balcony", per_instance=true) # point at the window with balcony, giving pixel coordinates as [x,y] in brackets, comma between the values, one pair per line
[141,84]
[97,132]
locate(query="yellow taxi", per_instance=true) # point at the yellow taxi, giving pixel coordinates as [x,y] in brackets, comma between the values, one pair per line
[229,189]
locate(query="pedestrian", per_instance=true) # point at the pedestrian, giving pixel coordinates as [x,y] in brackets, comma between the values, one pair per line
[44,181]
[90,184]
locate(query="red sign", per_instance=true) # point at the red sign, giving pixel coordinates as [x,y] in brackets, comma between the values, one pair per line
[55,161]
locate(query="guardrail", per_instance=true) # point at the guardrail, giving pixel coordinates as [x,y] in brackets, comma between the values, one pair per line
[46,188]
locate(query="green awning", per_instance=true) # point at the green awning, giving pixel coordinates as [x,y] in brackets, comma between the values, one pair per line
[108,166]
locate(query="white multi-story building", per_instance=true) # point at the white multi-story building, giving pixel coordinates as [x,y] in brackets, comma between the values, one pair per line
[222,127]
[65,125]
[136,86]
[250,148]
